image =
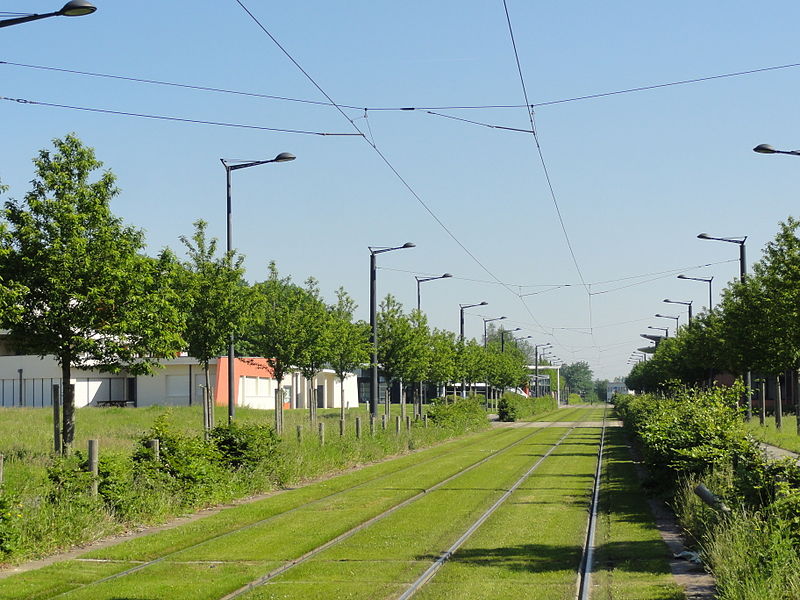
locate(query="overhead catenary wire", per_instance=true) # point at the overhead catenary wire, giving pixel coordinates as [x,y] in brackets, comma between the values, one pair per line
[208,88]
[172,118]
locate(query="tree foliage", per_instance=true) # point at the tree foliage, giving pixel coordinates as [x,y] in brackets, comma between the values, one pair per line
[91,298]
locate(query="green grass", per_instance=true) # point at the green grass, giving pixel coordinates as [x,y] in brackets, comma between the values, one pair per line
[290,534]
[573,414]
[631,558]
[786,437]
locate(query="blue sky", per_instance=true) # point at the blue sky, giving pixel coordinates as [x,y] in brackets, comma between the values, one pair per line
[636,176]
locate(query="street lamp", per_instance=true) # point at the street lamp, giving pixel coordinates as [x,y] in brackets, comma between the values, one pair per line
[684,303]
[503,333]
[485,321]
[664,329]
[373,320]
[660,316]
[74,8]
[235,165]
[707,280]
[423,280]
[767,149]
[536,362]
[462,308]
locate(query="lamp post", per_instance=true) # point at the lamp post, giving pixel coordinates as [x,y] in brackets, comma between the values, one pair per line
[485,321]
[767,149]
[234,165]
[660,316]
[373,321]
[664,329]
[740,240]
[707,280]
[503,333]
[74,8]
[684,303]
[536,362]
[462,308]
[423,280]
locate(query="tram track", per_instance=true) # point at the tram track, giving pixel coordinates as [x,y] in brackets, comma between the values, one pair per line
[328,544]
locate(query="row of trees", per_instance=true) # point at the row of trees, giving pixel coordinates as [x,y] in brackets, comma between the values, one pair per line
[755,327]
[76,284]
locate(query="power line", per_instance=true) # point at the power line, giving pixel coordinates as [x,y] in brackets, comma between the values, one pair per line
[169,118]
[592,96]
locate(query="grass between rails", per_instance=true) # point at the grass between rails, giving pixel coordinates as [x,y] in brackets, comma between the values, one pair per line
[531,547]
[631,558]
[397,550]
[572,414]
[298,529]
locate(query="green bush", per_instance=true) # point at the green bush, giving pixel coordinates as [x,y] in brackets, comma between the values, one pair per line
[245,446]
[513,407]
[458,414]
[10,515]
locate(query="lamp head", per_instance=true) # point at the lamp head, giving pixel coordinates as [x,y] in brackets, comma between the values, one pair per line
[703,236]
[446,275]
[484,303]
[764,149]
[284,157]
[409,245]
[77,8]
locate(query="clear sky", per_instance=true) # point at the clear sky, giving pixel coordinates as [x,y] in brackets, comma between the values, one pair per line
[636,176]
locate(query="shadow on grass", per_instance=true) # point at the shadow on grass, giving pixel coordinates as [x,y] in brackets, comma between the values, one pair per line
[541,558]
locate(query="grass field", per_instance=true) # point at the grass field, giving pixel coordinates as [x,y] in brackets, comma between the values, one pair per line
[786,437]
[529,548]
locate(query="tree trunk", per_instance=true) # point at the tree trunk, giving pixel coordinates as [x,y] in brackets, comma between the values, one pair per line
[341,401]
[778,403]
[762,416]
[206,400]
[68,416]
[402,401]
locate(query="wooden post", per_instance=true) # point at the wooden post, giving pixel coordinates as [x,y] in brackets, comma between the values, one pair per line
[341,427]
[425,420]
[778,403]
[299,433]
[397,424]
[321,426]
[155,446]
[358,428]
[762,414]
[2,461]
[93,464]
[372,425]
[408,423]
[56,419]
[383,422]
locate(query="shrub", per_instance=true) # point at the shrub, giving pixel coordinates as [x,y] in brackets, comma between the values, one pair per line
[513,407]
[10,514]
[246,446]
[461,414]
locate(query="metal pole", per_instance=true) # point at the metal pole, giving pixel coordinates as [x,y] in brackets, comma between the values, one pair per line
[748,375]
[373,321]
[461,323]
[710,298]
[536,367]
[229,246]
[419,302]
[690,313]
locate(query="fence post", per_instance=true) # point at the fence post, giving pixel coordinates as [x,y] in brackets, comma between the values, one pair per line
[93,464]
[299,433]
[425,420]
[408,423]
[372,425]
[155,446]
[397,424]
[383,422]
[321,426]
[56,419]
[341,427]
[762,413]
[2,461]
[358,428]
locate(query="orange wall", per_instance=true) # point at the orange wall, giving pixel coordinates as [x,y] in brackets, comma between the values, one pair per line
[242,367]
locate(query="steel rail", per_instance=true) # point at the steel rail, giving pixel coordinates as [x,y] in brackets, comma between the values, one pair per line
[347,534]
[431,571]
[146,564]
[587,557]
